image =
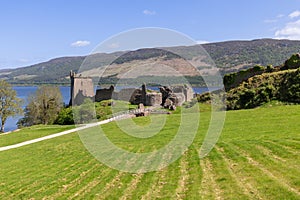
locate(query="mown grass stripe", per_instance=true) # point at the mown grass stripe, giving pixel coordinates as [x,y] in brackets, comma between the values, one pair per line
[78,182]
[223,178]
[159,180]
[283,149]
[241,181]
[287,169]
[114,183]
[172,177]
[195,173]
[66,180]
[91,183]
[283,182]
[209,187]
[180,192]
[127,194]
[118,184]
[97,190]
[134,185]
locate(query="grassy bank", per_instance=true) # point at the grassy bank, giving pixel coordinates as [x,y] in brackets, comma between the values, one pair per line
[30,133]
[256,157]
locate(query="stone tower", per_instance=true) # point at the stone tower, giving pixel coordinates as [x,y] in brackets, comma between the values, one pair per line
[81,88]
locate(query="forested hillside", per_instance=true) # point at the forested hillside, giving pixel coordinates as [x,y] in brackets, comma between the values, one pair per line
[229,57]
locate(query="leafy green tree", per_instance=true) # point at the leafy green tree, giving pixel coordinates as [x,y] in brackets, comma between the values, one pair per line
[10,104]
[84,113]
[65,117]
[43,106]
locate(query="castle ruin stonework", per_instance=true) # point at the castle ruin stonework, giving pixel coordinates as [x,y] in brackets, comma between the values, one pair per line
[81,88]
[168,97]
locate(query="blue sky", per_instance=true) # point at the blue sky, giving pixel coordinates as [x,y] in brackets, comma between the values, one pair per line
[33,31]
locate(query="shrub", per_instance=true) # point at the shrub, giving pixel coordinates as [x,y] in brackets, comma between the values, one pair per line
[84,113]
[292,63]
[65,117]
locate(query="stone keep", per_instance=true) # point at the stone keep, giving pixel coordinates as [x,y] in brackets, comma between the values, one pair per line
[81,88]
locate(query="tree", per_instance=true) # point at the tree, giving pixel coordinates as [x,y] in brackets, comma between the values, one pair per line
[43,106]
[84,113]
[10,104]
[65,117]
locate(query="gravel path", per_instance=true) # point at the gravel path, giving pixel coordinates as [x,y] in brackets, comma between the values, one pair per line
[63,133]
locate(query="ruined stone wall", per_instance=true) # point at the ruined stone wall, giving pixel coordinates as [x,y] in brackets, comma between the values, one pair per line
[185,90]
[180,99]
[189,94]
[128,94]
[153,99]
[83,87]
[104,94]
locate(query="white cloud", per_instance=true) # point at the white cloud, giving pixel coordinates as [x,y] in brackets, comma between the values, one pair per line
[294,14]
[113,46]
[149,12]
[80,43]
[202,42]
[280,16]
[290,31]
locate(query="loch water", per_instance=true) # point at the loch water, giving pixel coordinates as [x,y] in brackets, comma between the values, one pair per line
[24,91]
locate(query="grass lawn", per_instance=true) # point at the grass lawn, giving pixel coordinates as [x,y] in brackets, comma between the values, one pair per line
[30,133]
[256,157]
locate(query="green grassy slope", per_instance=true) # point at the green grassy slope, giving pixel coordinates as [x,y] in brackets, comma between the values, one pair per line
[257,157]
[30,133]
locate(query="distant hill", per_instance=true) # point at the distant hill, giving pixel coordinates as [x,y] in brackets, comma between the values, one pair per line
[245,54]
[229,56]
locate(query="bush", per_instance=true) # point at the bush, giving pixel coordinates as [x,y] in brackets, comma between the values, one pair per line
[65,117]
[85,113]
[292,63]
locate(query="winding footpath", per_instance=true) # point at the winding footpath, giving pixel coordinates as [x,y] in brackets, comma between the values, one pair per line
[123,116]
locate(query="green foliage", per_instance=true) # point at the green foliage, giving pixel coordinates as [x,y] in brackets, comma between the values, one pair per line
[106,108]
[290,86]
[258,85]
[65,117]
[258,90]
[292,63]
[270,68]
[84,113]
[10,104]
[234,79]
[248,53]
[90,111]
[43,106]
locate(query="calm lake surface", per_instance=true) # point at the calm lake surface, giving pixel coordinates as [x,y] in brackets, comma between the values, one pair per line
[24,91]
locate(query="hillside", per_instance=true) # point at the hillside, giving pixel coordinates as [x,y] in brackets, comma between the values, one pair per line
[259,85]
[228,56]
[256,157]
[244,54]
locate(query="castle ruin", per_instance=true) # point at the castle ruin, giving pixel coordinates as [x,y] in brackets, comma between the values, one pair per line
[81,88]
[168,97]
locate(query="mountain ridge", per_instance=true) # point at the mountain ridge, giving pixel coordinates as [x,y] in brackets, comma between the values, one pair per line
[229,56]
